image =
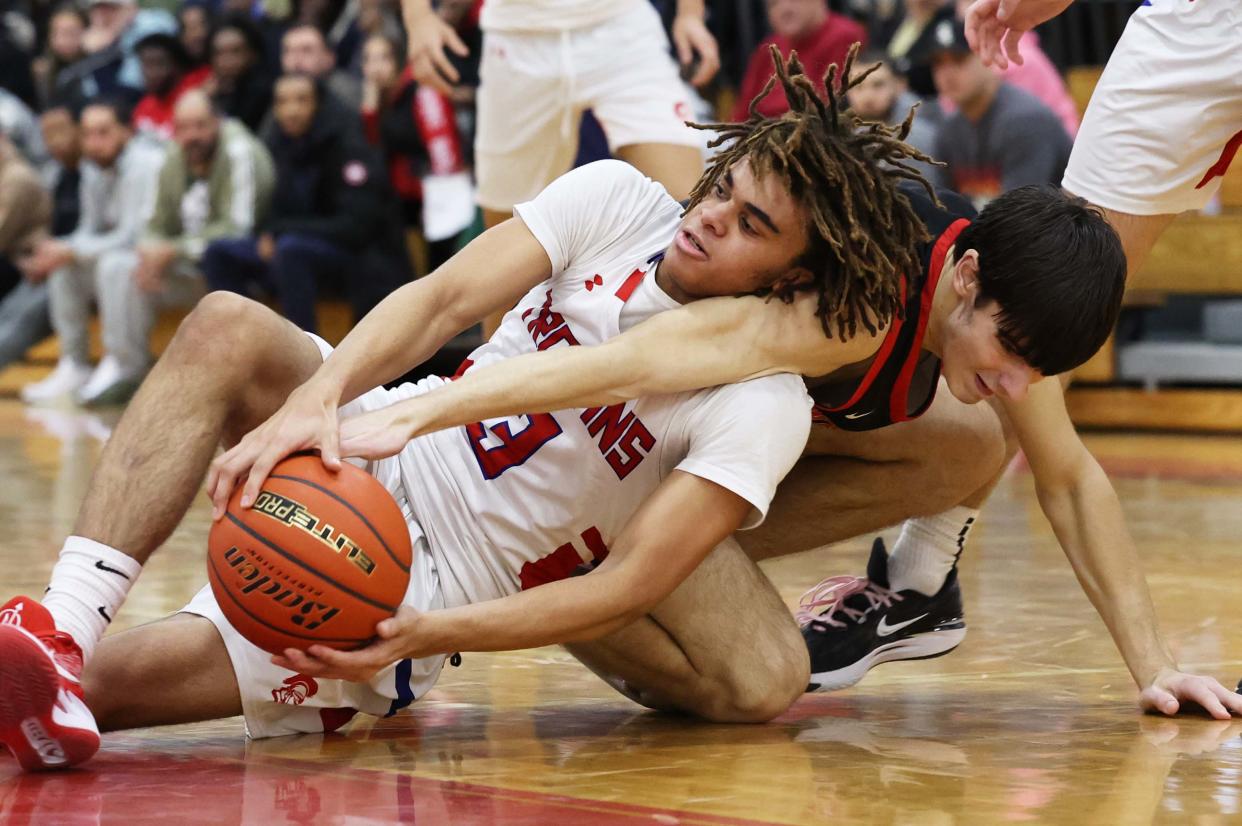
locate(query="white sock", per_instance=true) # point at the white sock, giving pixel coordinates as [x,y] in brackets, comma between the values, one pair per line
[89,583]
[928,548]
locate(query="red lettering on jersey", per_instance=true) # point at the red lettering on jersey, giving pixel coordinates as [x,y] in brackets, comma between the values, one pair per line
[557,336]
[514,449]
[631,450]
[549,327]
[610,421]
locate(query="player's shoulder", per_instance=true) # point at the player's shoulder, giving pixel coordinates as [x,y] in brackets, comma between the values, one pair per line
[934,216]
[619,178]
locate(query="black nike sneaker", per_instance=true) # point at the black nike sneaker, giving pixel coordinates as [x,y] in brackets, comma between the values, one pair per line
[852,624]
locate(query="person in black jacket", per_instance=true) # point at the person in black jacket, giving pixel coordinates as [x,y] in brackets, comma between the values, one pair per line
[240,84]
[333,217]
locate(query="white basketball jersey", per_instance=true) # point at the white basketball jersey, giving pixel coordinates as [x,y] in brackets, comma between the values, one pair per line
[511,503]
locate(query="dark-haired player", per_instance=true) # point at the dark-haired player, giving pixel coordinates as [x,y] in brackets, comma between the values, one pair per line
[643,492]
[1029,289]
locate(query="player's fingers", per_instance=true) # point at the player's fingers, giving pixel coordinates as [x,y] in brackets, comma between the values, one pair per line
[225,481]
[454,42]
[709,61]
[682,43]
[259,470]
[330,447]
[1211,704]
[1231,699]
[424,71]
[445,67]
[1011,45]
[1159,701]
[1005,9]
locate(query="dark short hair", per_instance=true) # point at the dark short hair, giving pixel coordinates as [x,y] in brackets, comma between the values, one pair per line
[168,44]
[243,26]
[1055,268]
[120,108]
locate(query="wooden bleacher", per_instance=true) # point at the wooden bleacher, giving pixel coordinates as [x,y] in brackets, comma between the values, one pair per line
[1198,254]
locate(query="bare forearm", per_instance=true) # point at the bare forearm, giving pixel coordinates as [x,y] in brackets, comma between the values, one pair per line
[408,326]
[571,610]
[687,349]
[1090,526]
[405,329]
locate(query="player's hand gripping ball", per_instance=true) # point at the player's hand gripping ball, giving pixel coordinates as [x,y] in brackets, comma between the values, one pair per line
[320,558]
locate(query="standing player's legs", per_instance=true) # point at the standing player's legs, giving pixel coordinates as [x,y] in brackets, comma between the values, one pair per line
[677,166]
[1164,121]
[632,84]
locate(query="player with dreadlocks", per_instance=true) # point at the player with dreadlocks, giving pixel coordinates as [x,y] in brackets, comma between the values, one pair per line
[644,491]
[899,294]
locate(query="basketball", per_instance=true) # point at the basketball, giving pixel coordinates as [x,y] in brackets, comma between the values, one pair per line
[320,558]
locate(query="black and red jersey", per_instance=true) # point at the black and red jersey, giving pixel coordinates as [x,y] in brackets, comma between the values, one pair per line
[900,383]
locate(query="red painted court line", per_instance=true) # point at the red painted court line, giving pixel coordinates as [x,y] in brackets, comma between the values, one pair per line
[140,786]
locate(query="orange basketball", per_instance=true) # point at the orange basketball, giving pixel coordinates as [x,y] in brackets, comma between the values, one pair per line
[319,558]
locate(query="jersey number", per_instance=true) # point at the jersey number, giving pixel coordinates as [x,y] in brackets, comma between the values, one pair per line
[497,448]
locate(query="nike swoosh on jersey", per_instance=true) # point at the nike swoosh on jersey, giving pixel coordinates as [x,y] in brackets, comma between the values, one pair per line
[858,415]
[884,629]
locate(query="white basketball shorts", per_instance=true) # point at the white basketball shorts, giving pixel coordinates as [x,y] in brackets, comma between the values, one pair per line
[534,87]
[1166,117]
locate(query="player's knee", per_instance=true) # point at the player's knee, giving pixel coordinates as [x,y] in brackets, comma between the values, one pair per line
[761,692]
[221,329]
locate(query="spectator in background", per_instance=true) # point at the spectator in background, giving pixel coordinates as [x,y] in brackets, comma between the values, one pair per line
[331,202]
[1035,74]
[215,183]
[194,31]
[883,96]
[305,51]
[64,48]
[111,66]
[166,76]
[96,262]
[241,86]
[20,126]
[358,23]
[24,318]
[25,212]
[820,38]
[907,38]
[16,50]
[414,128]
[1001,137]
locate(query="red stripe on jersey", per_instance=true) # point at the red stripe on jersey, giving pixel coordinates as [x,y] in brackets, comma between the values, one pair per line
[630,284]
[1222,163]
[898,403]
[461,370]
[890,341]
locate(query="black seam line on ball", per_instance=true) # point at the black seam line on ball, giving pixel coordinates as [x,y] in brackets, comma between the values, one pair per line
[282,631]
[404,568]
[361,597]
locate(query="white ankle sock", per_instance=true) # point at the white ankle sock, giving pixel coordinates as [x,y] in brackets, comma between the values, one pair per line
[928,548]
[88,585]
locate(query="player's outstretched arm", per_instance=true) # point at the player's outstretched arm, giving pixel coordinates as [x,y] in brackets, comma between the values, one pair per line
[1086,516]
[705,344]
[994,27]
[490,274]
[670,534]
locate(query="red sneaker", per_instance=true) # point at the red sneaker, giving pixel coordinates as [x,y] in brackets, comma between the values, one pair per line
[43,720]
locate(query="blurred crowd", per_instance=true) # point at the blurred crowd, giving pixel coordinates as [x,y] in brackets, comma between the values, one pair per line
[152,151]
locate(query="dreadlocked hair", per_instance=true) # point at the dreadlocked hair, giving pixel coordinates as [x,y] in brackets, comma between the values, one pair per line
[844,171]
